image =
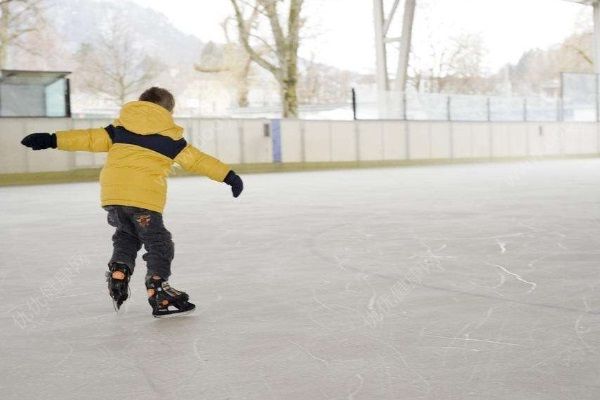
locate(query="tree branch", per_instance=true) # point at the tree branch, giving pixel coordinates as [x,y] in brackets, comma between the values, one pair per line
[270,7]
[263,41]
[244,36]
[581,53]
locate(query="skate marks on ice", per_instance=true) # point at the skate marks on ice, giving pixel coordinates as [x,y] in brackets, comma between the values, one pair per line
[331,366]
[429,261]
[360,283]
[513,275]
[535,249]
[401,299]
[29,314]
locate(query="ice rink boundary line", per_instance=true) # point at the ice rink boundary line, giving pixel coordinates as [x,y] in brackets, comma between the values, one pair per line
[92,174]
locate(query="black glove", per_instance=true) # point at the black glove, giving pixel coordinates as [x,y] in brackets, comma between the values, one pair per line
[233,180]
[39,141]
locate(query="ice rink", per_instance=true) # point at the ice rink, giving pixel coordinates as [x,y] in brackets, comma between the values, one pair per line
[473,281]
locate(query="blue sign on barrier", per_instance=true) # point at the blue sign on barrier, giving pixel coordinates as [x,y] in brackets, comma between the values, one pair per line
[276,139]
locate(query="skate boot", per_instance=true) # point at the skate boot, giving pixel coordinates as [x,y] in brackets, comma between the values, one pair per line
[166,301]
[118,276]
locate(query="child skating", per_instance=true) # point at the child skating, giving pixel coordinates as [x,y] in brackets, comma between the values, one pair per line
[142,145]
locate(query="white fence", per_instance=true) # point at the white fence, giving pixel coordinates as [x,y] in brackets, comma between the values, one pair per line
[250,141]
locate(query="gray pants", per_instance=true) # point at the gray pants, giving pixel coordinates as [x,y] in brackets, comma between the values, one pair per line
[137,226]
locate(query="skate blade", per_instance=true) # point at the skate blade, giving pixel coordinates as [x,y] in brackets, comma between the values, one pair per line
[174,313]
[116,305]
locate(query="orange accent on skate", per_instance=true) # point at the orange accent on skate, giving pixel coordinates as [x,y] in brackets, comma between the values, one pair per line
[150,292]
[120,275]
[164,302]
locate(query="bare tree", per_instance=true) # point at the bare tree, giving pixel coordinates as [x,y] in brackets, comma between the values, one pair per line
[323,84]
[232,64]
[282,59]
[114,66]
[577,49]
[18,18]
[231,61]
[538,69]
[457,65]
[310,82]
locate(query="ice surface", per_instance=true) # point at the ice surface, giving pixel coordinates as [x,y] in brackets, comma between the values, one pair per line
[439,282]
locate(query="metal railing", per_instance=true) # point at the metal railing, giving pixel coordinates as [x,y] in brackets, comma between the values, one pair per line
[443,107]
[576,100]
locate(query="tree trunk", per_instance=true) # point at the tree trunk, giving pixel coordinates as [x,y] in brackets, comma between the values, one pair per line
[290,100]
[290,95]
[291,58]
[242,99]
[285,69]
[243,84]
[4,27]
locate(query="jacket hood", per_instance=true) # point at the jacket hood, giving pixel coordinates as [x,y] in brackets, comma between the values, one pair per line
[145,118]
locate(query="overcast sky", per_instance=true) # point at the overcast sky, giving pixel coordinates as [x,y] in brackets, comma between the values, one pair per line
[343,29]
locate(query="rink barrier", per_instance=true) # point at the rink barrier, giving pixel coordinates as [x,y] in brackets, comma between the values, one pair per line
[278,145]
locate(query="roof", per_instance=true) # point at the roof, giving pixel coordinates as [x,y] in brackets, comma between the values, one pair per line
[16,77]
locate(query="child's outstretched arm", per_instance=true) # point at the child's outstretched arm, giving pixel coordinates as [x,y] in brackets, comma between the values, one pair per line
[94,140]
[193,160]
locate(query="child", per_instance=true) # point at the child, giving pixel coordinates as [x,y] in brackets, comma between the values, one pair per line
[142,145]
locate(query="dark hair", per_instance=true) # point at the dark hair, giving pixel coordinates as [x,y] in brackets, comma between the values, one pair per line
[159,96]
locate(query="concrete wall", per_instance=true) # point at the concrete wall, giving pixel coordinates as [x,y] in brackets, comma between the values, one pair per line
[241,141]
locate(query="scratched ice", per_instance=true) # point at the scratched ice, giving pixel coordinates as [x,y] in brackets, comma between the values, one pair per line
[437,282]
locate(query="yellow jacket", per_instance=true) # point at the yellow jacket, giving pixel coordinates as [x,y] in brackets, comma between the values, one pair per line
[142,145]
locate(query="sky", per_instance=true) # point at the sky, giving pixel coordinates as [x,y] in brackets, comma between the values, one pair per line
[341,31]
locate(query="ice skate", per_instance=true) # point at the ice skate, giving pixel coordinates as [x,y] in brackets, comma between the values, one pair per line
[118,276]
[166,301]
